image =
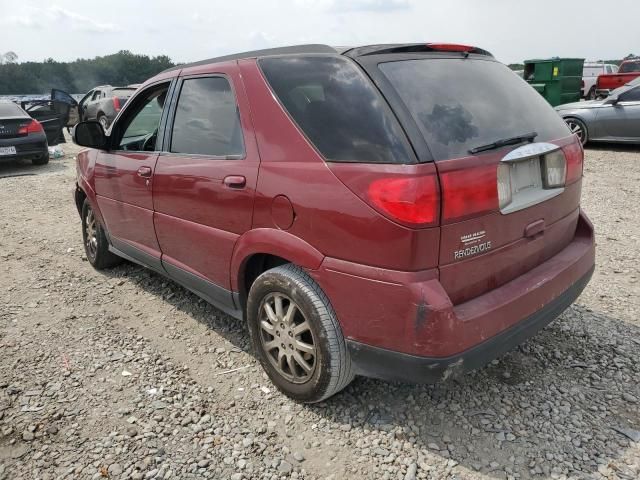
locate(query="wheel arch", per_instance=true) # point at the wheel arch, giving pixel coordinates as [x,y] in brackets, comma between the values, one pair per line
[264,248]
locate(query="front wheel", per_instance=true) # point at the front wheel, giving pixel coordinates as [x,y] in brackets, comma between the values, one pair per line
[96,246]
[296,335]
[578,128]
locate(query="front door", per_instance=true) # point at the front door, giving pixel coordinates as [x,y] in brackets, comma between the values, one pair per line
[622,120]
[124,176]
[204,182]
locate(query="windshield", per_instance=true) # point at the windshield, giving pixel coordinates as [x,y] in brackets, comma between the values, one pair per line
[620,90]
[460,104]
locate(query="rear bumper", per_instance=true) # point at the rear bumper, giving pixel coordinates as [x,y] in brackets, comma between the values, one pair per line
[33,145]
[396,366]
[403,325]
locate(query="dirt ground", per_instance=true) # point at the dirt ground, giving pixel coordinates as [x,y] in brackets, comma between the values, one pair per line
[123,374]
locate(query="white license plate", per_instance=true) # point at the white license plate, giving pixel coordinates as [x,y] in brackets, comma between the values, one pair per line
[7,150]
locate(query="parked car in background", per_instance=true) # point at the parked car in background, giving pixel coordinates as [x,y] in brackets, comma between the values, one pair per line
[103,103]
[21,136]
[384,210]
[54,114]
[590,73]
[629,69]
[615,118]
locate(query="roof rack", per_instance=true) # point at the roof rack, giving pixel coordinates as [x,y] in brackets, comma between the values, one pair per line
[296,49]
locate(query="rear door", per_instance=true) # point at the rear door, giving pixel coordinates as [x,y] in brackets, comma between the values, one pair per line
[204,181]
[500,216]
[124,176]
[91,105]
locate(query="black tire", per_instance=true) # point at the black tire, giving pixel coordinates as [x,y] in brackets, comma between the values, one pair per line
[592,94]
[332,368]
[96,246]
[41,160]
[104,121]
[578,128]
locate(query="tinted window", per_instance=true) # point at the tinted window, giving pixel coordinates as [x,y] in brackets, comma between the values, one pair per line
[337,108]
[632,95]
[462,104]
[630,67]
[207,120]
[141,121]
[8,109]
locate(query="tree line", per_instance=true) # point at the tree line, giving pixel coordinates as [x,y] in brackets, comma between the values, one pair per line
[79,76]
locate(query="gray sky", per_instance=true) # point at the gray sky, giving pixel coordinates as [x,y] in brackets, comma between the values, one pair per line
[188,30]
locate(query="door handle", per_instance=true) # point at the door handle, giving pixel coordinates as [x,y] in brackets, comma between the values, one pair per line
[235,181]
[144,172]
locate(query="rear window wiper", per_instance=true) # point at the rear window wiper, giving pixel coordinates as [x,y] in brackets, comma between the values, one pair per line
[527,137]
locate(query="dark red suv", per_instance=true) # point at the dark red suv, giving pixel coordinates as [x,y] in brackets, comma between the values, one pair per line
[407,212]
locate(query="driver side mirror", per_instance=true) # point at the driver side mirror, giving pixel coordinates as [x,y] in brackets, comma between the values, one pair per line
[89,134]
[612,100]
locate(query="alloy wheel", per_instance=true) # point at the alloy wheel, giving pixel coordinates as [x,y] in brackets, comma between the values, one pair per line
[577,129]
[91,234]
[286,338]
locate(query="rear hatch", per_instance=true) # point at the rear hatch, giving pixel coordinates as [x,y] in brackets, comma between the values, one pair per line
[509,170]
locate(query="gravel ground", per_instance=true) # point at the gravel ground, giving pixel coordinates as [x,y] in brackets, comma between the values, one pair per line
[125,375]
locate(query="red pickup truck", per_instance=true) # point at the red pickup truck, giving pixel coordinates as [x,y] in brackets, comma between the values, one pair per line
[629,69]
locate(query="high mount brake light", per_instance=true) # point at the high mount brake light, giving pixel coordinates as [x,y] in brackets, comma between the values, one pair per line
[450,47]
[410,200]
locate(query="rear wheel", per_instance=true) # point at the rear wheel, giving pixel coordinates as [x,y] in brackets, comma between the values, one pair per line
[578,128]
[96,246]
[104,121]
[296,335]
[41,160]
[592,94]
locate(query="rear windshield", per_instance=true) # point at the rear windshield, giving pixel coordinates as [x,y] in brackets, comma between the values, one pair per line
[8,109]
[123,92]
[629,67]
[465,103]
[337,108]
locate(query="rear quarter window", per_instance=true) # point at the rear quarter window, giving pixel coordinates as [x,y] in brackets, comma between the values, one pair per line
[338,108]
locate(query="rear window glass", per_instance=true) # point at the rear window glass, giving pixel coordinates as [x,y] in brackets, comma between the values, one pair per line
[337,108]
[630,67]
[465,103]
[10,110]
[207,120]
[123,92]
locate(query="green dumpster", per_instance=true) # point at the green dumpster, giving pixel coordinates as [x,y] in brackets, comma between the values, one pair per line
[559,80]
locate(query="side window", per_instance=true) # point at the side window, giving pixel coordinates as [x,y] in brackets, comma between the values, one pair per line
[96,95]
[139,126]
[207,120]
[632,95]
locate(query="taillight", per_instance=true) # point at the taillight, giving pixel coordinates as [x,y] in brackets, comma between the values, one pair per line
[410,200]
[32,127]
[116,104]
[469,191]
[574,155]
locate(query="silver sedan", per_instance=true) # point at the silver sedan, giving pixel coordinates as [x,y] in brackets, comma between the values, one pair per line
[612,119]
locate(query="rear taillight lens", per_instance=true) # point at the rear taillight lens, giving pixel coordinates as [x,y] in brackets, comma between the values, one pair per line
[116,104]
[411,200]
[504,185]
[574,155]
[469,192]
[32,127]
[554,169]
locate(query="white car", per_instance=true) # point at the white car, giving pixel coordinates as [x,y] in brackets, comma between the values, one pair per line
[590,73]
